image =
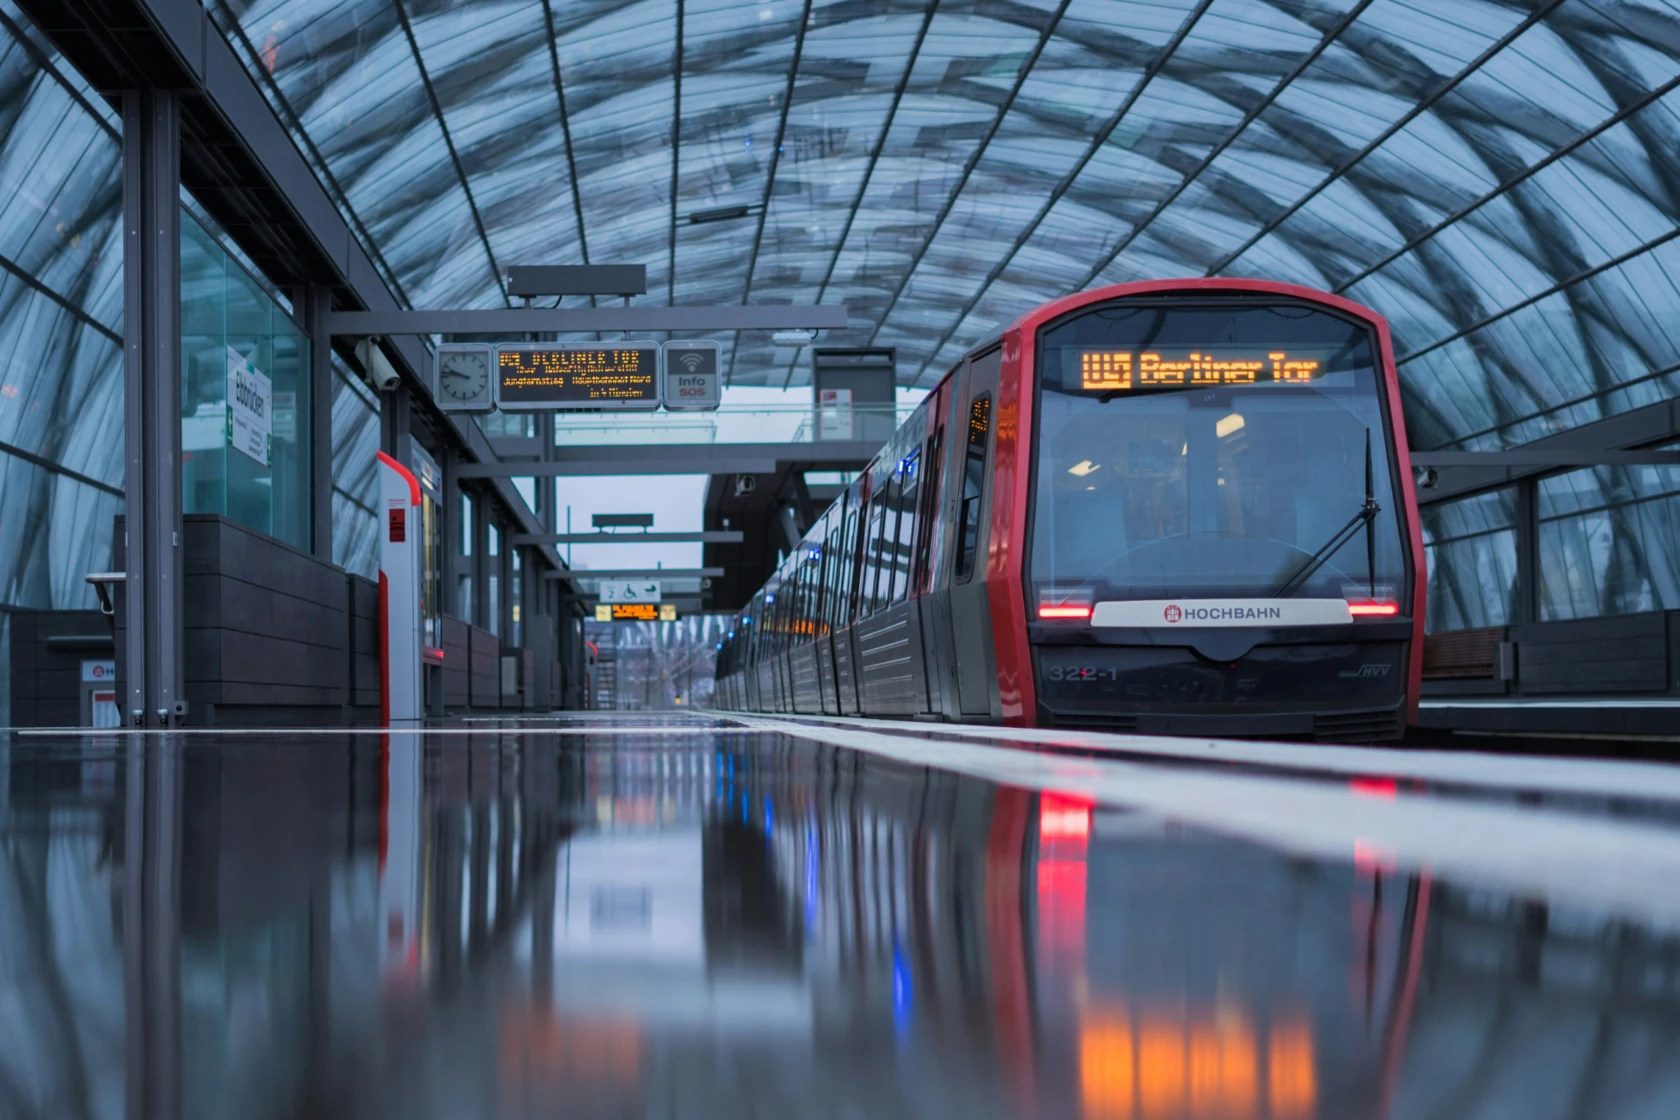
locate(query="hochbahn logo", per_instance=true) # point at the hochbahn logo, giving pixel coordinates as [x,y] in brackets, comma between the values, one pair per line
[1175,613]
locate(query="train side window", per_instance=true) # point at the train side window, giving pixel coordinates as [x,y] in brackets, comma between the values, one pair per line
[819,580]
[786,596]
[857,522]
[796,608]
[910,490]
[974,486]
[811,586]
[835,573]
[755,629]
[873,558]
[889,542]
[929,513]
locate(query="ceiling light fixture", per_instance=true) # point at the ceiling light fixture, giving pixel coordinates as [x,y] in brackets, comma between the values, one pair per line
[721,214]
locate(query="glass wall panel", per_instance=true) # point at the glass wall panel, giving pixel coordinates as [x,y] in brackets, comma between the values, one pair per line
[1609,542]
[1470,546]
[355,427]
[464,581]
[244,397]
[493,579]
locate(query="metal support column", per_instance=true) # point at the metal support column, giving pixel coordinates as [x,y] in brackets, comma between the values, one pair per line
[317,302]
[1526,608]
[481,560]
[450,528]
[395,424]
[152,406]
[504,561]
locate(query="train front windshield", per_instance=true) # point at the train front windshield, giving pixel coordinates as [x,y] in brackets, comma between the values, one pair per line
[1213,450]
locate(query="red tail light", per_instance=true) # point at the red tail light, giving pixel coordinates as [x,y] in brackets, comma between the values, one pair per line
[1064,610]
[1358,609]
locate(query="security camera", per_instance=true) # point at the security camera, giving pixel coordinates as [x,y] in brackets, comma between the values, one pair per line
[745,484]
[381,374]
[1426,477]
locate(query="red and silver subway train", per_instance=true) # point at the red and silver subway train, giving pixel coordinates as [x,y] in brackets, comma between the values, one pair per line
[1175,507]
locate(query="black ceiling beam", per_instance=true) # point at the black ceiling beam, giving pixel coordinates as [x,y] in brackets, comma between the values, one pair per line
[449,146]
[1053,20]
[1423,106]
[868,175]
[1156,65]
[1633,438]
[769,178]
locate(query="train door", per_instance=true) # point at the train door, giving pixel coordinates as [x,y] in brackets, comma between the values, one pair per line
[806,664]
[784,643]
[964,563]
[824,619]
[845,647]
[748,631]
[889,640]
[932,624]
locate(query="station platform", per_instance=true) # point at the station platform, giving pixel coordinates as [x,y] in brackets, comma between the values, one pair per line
[1591,716]
[719,915]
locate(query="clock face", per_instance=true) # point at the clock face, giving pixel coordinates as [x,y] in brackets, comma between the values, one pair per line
[463,376]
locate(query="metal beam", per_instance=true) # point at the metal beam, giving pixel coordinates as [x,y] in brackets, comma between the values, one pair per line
[722,536]
[612,467]
[576,279]
[638,573]
[152,671]
[1545,458]
[684,458]
[1620,440]
[522,320]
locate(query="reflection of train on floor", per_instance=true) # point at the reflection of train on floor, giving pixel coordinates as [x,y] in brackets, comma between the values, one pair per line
[1068,960]
[1180,507]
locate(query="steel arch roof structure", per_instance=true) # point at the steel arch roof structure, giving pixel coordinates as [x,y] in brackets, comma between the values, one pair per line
[1501,178]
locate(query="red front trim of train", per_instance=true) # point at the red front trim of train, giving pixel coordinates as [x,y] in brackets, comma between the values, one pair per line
[1006,559]
[1006,555]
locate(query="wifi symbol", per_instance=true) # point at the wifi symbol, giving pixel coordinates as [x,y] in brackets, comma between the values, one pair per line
[691,359]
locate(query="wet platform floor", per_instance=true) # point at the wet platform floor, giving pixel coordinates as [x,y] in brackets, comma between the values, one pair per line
[647,916]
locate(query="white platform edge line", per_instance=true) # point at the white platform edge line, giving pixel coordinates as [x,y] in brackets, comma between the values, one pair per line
[1643,781]
[1627,867]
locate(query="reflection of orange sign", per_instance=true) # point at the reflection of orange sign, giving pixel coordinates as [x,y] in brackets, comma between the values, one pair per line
[539,1046]
[1164,1064]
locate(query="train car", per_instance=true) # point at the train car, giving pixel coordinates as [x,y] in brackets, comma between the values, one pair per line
[1174,507]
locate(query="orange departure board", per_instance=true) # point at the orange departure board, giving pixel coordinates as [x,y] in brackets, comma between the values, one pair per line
[538,378]
[1107,371]
[635,612]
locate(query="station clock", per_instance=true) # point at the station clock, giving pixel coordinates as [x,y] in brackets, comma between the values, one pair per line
[465,377]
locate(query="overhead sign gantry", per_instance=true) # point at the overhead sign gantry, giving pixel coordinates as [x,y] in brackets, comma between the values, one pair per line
[527,377]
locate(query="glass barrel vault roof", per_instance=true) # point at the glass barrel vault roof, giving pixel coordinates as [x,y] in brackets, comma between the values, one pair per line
[1499,177]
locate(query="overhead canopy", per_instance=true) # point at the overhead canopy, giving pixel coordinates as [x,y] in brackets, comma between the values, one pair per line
[1499,178]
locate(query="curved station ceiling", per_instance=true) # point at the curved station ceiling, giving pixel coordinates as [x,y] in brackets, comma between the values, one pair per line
[1499,177]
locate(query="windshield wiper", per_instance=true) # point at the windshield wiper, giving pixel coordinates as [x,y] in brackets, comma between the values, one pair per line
[1366,515]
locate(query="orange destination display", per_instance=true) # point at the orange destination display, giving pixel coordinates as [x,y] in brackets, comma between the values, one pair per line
[1121,370]
[538,378]
[636,612]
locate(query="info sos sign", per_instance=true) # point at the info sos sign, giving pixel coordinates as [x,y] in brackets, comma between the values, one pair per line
[693,377]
